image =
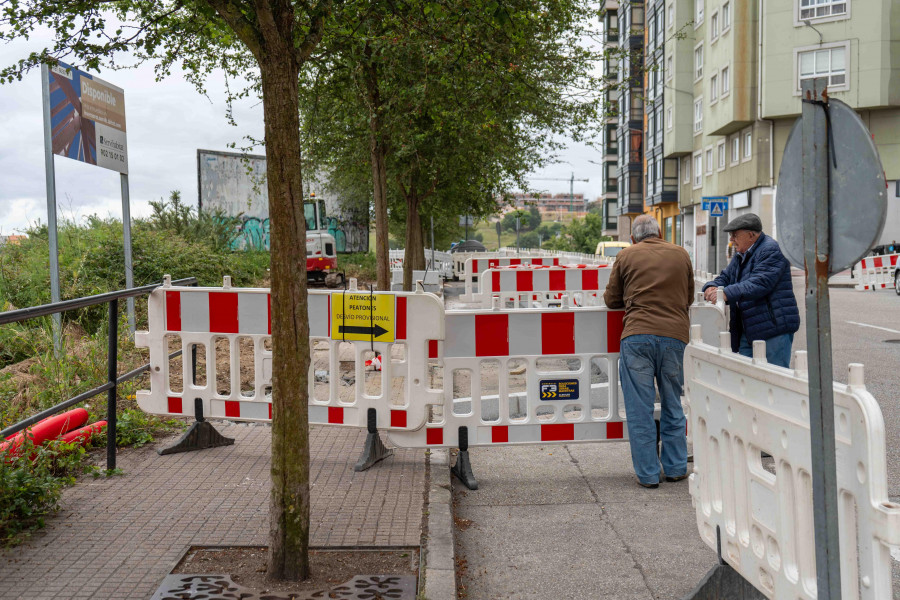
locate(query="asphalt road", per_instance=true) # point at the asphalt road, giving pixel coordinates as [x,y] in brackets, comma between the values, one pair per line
[862,327]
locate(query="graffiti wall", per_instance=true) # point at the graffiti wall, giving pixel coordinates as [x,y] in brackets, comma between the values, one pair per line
[236,184]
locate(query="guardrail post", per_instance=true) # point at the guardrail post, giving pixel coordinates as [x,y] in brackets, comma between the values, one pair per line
[112,376]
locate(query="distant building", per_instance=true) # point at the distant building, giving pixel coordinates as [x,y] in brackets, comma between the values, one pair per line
[549,204]
[12,239]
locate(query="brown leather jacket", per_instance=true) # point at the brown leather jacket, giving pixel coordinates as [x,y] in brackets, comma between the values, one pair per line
[654,281]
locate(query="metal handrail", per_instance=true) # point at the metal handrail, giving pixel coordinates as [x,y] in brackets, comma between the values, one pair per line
[22,314]
[113,379]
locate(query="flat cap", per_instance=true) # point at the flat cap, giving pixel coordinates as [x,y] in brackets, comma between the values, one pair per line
[748,221]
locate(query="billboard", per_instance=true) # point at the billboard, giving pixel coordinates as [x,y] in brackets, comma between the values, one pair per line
[87,118]
[236,184]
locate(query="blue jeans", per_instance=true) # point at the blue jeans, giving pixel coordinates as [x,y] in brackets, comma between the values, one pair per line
[778,349]
[644,359]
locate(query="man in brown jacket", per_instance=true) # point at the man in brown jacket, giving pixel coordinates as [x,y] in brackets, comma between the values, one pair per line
[654,281]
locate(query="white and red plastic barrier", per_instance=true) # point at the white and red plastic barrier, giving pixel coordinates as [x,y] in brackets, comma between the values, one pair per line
[877,272]
[523,286]
[475,266]
[222,320]
[550,399]
[543,343]
[742,407]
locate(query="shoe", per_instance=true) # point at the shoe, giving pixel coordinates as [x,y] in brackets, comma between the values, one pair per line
[679,478]
[651,486]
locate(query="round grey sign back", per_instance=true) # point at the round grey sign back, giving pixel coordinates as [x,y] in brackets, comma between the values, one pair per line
[858,206]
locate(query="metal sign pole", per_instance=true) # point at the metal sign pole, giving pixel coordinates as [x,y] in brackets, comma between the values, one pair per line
[817,247]
[51,206]
[126,228]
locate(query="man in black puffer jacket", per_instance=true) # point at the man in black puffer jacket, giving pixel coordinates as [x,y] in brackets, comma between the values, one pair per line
[758,287]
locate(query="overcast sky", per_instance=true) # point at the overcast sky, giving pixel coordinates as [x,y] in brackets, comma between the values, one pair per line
[166,122]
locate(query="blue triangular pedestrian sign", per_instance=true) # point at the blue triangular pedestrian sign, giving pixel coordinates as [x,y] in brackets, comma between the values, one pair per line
[717,209]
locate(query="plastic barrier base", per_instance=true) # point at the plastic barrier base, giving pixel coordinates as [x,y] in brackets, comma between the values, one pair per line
[463,470]
[724,583]
[200,436]
[463,467]
[374,449]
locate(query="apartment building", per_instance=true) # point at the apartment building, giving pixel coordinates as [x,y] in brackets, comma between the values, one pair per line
[732,93]
[630,129]
[660,171]
[610,152]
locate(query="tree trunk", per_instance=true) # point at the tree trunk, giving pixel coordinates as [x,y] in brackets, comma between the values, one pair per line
[289,506]
[414,254]
[378,157]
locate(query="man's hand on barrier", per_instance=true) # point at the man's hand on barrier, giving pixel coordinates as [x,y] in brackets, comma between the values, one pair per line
[711,293]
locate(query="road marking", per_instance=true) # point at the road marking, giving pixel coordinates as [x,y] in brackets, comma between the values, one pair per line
[873,326]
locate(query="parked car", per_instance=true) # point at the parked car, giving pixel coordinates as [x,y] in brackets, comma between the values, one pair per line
[897,278]
[610,248]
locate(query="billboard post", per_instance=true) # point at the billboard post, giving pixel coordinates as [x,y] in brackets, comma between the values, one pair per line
[50,170]
[84,119]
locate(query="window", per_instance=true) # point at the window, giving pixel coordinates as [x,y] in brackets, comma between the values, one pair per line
[735,149]
[713,89]
[698,62]
[670,15]
[714,27]
[669,72]
[669,118]
[820,9]
[709,161]
[748,144]
[686,168]
[829,62]
[725,76]
[698,115]
[726,16]
[678,230]
[698,170]
[669,237]
[698,13]
[720,154]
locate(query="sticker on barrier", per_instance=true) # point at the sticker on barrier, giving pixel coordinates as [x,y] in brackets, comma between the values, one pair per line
[741,410]
[229,329]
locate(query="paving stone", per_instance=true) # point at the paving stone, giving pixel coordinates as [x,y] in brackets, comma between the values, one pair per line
[127,532]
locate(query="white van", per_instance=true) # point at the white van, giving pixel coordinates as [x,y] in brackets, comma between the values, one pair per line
[610,249]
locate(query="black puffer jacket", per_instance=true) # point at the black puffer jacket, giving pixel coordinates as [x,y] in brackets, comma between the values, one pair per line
[760,287]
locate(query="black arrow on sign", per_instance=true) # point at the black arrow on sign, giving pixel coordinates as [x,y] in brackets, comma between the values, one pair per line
[375,331]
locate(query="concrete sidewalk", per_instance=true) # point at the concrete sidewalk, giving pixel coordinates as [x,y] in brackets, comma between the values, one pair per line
[118,537]
[569,522]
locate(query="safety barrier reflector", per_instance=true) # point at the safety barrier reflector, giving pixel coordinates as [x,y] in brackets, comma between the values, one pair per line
[347,329]
[526,377]
[741,408]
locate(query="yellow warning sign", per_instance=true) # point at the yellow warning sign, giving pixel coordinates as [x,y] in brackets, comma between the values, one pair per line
[361,316]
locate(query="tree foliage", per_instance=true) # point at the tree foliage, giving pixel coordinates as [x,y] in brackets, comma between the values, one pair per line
[466,99]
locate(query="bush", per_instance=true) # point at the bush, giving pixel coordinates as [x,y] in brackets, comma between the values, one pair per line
[30,489]
[360,265]
[173,241]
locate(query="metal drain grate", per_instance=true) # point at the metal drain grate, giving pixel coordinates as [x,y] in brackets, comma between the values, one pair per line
[221,587]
